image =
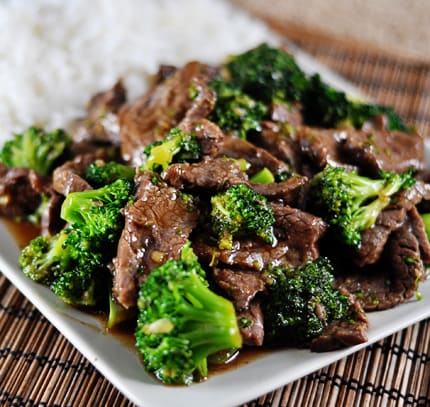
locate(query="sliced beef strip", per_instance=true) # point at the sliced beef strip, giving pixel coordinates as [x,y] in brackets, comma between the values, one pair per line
[391,218]
[394,278]
[240,286]
[373,240]
[101,124]
[251,324]
[372,287]
[280,142]
[376,150]
[164,106]
[318,148]
[419,231]
[300,230]
[403,255]
[210,173]
[157,226]
[298,234]
[289,192]
[51,221]
[209,135]
[20,191]
[259,158]
[69,177]
[349,331]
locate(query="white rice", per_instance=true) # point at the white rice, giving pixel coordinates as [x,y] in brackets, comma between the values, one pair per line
[55,54]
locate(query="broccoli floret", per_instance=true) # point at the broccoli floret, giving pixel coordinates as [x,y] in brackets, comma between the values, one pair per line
[235,111]
[301,302]
[352,202]
[74,262]
[239,210]
[97,212]
[35,149]
[181,321]
[177,146]
[101,173]
[267,74]
[70,264]
[325,106]
[264,176]
[42,255]
[426,221]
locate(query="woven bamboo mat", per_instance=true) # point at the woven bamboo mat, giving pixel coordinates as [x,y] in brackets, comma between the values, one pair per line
[39,367]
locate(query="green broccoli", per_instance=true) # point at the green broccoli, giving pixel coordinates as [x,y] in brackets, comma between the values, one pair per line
[70,264]
[352,202]
[301,302]
[239,210]
[267,74]
[264,176]
[181,321]
[426,221]
[101,173]
[235,111]
[43,255]
[97,212]
[325,106]
[35,149]
[177,146]
[118,314]
[74,262]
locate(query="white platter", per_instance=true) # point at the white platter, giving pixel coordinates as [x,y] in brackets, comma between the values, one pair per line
[120,364]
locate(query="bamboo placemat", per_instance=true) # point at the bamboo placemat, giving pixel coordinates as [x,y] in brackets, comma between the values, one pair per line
[39,367]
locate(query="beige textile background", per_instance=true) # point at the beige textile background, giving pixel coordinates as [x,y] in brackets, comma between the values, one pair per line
[395,26]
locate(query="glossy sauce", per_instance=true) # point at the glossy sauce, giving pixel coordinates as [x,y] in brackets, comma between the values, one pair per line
[24,232]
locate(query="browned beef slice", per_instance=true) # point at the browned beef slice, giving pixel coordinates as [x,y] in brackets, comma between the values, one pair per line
[69,177]
[373,239]
[403,257]
[298,234]
[248,254]
[289,191]
[101,123]
[157,226]
[51,221]
[240,286]
[259,158]
[152,116]
[394,278]
[376,150]
[209,135]
[318,147]
[20,190]
[419,231]
[251,325]
[211,173]
[372,286]
[300,230]
[280,142]
[349,331]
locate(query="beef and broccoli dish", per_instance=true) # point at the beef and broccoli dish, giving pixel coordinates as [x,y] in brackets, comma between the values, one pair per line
[242,205]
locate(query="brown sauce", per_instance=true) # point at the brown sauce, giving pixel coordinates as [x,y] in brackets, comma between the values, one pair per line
[22,233]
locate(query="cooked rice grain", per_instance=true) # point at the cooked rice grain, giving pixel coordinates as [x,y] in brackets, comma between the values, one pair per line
[55,54]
